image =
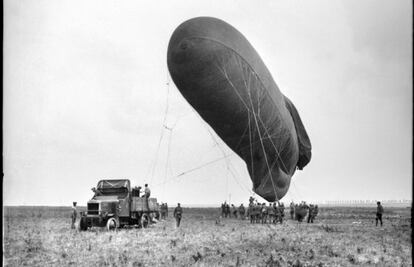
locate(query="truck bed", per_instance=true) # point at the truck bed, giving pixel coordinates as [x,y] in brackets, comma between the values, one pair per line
[139,204]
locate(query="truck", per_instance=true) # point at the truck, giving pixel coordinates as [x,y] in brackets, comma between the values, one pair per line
[115,205]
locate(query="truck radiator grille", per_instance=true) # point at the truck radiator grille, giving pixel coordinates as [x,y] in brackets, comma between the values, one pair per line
[93,208]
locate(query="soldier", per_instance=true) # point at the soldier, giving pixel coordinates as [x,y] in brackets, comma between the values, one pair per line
[223,209]
[147,191]
[74,215]
[282,211]
[166,209]
[251,212]
[234,210]
[254,212]
[276,213]
[310,213]
[279,212]
[178,211]
[96,192]
[271,213]
[292,210]
[147,194]
[162,208]
[264,213]
[251,200]
[242,211]
[380,211]
[227,210]
[315,212]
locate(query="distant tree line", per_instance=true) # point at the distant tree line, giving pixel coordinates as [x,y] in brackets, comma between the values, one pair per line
[366,202]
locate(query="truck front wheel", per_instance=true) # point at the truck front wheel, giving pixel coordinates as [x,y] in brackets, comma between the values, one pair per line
[111,224]
[83,226]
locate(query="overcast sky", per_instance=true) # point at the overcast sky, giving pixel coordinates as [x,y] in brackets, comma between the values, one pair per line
[86,88]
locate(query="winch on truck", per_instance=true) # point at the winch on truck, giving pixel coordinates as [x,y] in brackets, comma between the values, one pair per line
[115,205]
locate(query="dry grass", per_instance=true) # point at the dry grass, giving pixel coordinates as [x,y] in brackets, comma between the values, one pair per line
[340,237]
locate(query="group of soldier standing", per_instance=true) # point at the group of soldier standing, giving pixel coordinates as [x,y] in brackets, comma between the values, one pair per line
[299,211]
[272,213]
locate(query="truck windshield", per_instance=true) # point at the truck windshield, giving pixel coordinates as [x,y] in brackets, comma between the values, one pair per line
[119,192]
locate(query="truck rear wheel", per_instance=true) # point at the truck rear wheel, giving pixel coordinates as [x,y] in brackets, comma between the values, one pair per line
[112,224]
[144,220]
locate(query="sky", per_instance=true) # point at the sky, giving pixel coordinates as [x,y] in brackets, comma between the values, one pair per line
[86,96]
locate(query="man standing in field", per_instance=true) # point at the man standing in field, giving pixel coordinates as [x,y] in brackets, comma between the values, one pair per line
[310,213]
[234,211]
[162,211]
[147,194]
[380,211]
[264,213]
[178,211]
[292,210]
[282,211]
[250,212]
[242,211]
[315,212]
[271,213]
[74,215]
[227,210]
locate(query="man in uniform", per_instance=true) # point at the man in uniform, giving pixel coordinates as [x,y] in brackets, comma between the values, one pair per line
[166,209]
[178,211]
[315,212]
[251,201]
[380,211]
[250,212]
[234,211]
[282,211]
[242,211]
[147,191]
[223,209]
[74,215]
[227,210]
[96,192]
[147,194]
[162,208]
[292,210]
[271,213]
[310,213]
[264,213]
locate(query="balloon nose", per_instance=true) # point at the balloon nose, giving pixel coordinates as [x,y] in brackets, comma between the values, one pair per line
[181,53]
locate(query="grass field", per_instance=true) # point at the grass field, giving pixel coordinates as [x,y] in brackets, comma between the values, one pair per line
[41,236]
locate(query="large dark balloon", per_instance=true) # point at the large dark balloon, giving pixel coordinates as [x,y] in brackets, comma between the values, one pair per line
[221,75]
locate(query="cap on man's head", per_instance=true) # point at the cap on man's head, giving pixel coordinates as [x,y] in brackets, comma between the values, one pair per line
[146,184]
[378,202]
[74,203]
